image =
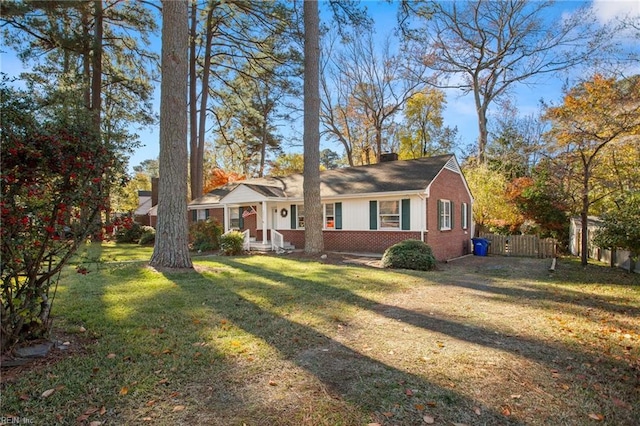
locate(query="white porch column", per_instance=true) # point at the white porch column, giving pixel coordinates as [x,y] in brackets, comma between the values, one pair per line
[264,222]
[226,218]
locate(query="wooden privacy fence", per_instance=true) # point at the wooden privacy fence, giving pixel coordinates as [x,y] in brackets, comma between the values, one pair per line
[521,245]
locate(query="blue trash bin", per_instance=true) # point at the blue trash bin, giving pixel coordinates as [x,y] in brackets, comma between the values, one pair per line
[480,246]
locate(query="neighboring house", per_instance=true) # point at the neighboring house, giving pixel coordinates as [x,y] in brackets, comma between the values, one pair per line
[146,213]
[618,258]
[141,215]
[365,208]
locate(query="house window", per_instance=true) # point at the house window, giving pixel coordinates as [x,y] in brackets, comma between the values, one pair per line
[465,216]
[300,213]
[202,215]
[389,214]
[444,214]
[234,218]
[329,216]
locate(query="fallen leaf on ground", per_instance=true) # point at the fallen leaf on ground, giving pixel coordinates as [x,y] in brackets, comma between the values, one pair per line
[516,396]
[419,407]
[111,356]
[428,419]
[619,403]
[146,419]
[124,390]
[506,411]
[103,411]
[477,410]
[88,413]
[408,392]
[178,408]
[272,383]
[598,417]
[95,423]
[48,393]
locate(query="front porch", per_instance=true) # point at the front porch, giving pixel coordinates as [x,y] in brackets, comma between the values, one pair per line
[268,245]
[276,244]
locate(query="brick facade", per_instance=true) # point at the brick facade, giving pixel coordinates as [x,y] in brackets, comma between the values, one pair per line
[446,244]
[455,242]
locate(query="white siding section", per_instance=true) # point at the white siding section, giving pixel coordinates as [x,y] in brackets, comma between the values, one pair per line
[355,215]
[242,194]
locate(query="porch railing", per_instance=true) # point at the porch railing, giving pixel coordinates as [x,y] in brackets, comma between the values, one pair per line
[246,242]
[277,240]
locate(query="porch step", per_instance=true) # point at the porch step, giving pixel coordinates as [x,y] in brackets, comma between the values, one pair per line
[259,246]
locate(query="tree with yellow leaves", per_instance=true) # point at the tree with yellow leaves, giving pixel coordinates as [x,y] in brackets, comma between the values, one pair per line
[595,115]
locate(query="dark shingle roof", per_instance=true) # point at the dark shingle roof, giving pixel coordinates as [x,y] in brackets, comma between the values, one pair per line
[391,176]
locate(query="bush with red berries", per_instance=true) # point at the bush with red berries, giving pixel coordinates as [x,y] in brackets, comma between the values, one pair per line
[53,185]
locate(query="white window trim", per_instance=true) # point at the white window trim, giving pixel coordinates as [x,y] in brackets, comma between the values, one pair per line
[399,215]
[298,216]
[325,216]
[465,216]
[232,215]
[445,215]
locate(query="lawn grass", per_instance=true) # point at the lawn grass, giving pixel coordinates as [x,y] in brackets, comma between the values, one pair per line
[266,340]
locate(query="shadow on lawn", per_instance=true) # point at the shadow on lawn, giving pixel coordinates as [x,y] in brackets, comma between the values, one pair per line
[373,388]
[533,349]
[554,355]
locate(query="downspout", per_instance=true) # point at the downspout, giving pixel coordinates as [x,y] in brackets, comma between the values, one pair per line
[423,217]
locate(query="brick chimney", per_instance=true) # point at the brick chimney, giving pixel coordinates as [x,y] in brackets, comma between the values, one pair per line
[388,156]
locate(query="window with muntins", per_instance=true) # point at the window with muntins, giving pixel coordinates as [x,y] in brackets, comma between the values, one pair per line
[234,218]
[444,219]
[389,214]
[300,213]
[329,216]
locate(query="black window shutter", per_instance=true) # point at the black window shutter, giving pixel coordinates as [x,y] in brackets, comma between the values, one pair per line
[406,214]
[294,217]
[241,221]
[373,215]
[338,213]
[206,214]
[194,215]
[439,215]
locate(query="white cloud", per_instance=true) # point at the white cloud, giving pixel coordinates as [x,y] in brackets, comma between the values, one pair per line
[607,10]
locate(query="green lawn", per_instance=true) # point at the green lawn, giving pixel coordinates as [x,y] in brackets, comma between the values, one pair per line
[265,340]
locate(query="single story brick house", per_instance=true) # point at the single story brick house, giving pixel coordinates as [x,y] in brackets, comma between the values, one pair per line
[365,208]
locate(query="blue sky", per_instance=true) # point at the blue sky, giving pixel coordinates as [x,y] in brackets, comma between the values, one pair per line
[460,111]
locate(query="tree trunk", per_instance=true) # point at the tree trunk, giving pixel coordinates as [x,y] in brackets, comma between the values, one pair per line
[378,142]
[171,247]
[96,65]
[193,102]
[584,216]
[313,205]
[481,109]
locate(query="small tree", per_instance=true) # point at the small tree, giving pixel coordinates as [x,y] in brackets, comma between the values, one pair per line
[621,228]
[53,190]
